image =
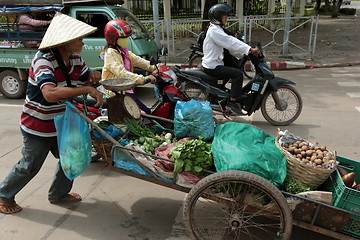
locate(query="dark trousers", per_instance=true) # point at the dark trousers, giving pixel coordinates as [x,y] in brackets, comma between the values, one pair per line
[34,153]
[236,76]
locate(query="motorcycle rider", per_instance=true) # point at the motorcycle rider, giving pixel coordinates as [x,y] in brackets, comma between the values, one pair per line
[216,41]
[119,61]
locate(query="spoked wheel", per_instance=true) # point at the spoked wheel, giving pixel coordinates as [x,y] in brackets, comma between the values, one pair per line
[249,70]
[282,107]
[236,205]
[195,61]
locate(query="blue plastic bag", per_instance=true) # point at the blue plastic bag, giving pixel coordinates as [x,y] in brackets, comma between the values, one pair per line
[112,130]
[193,119]
[73,135]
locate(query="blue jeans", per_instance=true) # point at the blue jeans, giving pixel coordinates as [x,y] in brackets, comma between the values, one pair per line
[34,153]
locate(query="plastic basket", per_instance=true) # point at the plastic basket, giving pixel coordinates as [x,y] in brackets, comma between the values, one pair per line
[345,197]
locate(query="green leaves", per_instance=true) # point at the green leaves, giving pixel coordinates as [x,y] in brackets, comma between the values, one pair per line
[137,130]
[292,186]
[192,156]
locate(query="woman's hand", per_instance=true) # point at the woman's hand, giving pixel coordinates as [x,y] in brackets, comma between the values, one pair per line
[255,51]
[151,78]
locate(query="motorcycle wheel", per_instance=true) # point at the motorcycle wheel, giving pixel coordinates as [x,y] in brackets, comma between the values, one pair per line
[291,102]
[249,69]
[195,61]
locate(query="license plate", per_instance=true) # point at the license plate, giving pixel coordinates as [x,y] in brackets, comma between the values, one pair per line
[255,87]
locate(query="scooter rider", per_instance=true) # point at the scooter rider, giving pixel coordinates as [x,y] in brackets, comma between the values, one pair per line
[216,41]
[119,61]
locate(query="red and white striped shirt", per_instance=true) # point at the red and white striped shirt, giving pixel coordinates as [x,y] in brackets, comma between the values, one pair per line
[37,118]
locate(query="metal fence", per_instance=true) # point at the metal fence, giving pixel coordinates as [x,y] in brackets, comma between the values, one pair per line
[292,36]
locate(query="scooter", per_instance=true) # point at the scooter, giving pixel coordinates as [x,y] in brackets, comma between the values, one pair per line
[162,110]
[280,102]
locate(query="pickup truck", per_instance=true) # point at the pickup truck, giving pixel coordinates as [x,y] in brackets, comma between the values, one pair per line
[16,55]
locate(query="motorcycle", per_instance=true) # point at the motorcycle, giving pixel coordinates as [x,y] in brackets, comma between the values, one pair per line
[162,110]
[280,102]
[196,55]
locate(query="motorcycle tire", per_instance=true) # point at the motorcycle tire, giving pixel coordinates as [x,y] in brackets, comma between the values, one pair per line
[291,100]
[195,61]
[249,69]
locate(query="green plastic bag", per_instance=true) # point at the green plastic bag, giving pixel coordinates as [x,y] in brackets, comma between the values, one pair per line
[238,146]
[73,135]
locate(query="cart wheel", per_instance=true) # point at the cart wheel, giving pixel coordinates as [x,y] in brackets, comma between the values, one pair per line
[236,205]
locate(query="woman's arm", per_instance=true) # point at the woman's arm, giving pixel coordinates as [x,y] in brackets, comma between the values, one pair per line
[115,64]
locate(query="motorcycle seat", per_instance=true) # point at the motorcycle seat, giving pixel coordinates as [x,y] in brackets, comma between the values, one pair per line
[205,77]
[89,101]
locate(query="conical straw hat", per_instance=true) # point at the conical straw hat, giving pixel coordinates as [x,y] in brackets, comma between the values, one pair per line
[63,29]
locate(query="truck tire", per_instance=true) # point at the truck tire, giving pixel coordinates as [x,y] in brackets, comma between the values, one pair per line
[10,84]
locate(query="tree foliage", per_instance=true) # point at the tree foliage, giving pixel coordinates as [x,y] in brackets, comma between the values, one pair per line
[208,5]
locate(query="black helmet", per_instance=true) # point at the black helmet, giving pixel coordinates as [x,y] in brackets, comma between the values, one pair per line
[217,11]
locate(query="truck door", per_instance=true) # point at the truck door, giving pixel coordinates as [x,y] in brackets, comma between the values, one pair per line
[141,42]
[94,44]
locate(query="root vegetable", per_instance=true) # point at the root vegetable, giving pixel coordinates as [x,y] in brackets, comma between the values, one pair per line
[349,179]
[309,154]
[304,161]
[318,161]
[357,187]
[342,171]
[304,148]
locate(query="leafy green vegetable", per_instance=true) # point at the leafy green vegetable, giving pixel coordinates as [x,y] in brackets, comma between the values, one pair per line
[192,156]
[292,186]
[136,129]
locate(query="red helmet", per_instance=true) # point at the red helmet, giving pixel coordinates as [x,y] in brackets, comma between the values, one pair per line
[115,29]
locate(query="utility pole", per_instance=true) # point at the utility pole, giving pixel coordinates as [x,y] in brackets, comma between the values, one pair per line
[155,4]
[285,49]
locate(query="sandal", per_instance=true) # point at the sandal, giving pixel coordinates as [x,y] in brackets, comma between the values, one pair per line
[70,198]
[9,207]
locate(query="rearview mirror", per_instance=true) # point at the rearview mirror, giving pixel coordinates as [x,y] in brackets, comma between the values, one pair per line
[163,51]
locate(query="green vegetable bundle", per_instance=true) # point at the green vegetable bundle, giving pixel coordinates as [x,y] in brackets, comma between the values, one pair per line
[136,129]
[192,156]
[292,186]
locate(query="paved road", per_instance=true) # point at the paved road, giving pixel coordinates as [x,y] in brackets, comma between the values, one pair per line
[116,206]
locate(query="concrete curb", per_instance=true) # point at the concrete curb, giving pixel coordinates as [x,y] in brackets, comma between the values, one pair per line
[289,65]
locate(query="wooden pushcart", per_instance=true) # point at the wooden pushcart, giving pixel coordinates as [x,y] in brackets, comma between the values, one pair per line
[241,205]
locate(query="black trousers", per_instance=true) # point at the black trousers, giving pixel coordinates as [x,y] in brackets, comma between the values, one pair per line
[236,76]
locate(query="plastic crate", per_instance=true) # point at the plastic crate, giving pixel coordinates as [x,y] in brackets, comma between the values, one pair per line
[345,197]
